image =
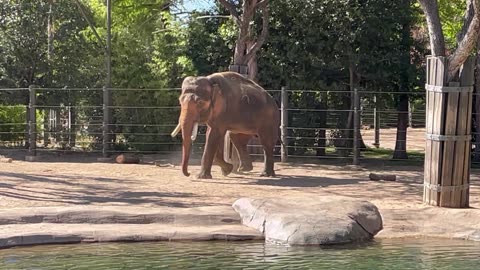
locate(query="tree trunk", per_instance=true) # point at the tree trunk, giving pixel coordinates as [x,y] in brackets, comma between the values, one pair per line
[403,113]
[350,125]
[467,38]
[247,45]
[437,40]
[402,124]
[468,34]
[50,30]
[252,65]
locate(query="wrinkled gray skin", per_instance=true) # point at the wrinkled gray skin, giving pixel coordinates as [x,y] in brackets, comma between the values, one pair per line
[227,101]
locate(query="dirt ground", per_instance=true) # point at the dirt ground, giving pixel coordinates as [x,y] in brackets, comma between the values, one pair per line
[84,181]
[415,138]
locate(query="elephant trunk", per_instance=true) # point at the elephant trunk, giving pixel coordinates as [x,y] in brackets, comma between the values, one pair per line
[189,133]
[186,146]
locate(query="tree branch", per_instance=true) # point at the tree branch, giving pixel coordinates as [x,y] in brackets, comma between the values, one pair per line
[232,9]
[250,6]
[467,19]
[262,3]
[467,43]
[263,35]
[90,23]
[437,40]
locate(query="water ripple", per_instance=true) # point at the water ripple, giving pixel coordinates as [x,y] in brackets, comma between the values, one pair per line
[385,254]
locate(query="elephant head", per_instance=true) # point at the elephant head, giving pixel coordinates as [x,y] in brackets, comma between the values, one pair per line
[200,101]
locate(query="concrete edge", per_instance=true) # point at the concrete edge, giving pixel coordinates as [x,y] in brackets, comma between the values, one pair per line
[212,215]
[42,234]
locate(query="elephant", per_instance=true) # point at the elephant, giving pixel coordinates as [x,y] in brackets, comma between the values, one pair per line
[226,101]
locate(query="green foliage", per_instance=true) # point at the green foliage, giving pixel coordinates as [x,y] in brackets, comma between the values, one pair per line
[177,50]
[451,16]
[12,123]
[210,42]
[312,44]
[313,41]
[23,47]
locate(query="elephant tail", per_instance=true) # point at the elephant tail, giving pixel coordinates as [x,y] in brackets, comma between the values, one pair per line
[280,138]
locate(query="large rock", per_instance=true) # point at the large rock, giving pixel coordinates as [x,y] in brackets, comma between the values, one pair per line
[320,221]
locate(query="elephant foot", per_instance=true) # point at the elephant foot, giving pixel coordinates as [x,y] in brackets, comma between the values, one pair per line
[204,175]
[227,170]
[245,168]
[267,174]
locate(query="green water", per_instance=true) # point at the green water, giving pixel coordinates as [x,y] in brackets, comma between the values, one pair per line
[385,254]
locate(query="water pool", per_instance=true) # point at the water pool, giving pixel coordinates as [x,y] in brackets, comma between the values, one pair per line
[382,254]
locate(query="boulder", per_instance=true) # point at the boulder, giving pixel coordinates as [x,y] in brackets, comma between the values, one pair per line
[321,221]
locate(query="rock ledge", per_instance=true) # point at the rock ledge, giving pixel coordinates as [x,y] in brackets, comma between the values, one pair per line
[328,220]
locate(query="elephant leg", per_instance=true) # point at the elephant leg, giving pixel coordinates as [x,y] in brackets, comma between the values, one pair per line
[268,140]
[211,145]
[220,161]
[240,141]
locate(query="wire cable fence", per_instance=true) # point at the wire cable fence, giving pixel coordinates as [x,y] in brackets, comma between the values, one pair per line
[319,123]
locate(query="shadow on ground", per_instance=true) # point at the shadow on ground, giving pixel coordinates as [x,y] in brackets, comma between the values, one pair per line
[306,181]
[68,189]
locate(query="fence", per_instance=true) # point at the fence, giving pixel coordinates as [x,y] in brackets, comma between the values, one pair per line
[317,124]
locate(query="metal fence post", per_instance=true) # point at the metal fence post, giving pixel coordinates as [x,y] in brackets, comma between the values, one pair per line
[356,129]
[284,124]
[106,122]
[32,122]
[376,123]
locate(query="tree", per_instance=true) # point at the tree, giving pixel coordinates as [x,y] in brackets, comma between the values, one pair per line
[248,43]
[347,44]
[467,38]
[26,50]
[210,39]
[153,48]
[403,82]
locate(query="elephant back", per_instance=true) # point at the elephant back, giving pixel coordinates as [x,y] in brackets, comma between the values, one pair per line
[236,87]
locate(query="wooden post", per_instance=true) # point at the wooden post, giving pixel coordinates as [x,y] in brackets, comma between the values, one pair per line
[32,122]
[284,125]
[356,127]
[448,135]
[376,123]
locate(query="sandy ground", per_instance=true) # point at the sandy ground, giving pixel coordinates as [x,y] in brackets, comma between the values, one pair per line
[415,138]
[87,182]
